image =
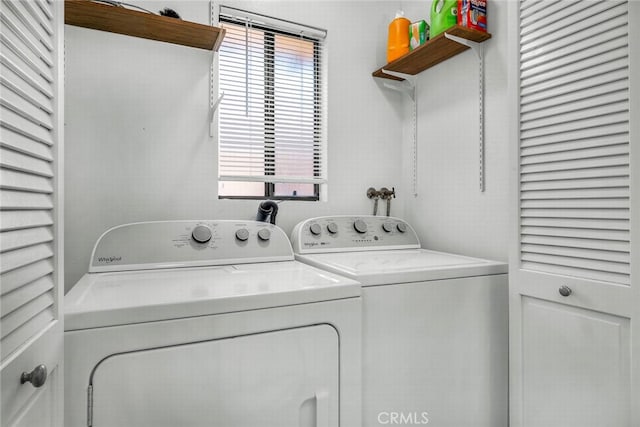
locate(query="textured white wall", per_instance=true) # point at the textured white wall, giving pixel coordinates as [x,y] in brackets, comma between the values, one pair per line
[450,213]
[137,118]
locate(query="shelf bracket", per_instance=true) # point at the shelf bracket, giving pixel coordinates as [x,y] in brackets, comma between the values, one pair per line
[478,48]
[408,87]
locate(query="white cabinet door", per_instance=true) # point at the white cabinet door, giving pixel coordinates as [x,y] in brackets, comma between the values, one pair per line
[574,259]
[31,109]
[284,378]
[575,366]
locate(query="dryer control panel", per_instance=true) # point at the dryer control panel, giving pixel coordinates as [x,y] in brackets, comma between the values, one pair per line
[352,233]
[170,244]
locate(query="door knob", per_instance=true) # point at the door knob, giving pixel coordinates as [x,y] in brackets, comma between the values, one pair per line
[565,291]
[37,377]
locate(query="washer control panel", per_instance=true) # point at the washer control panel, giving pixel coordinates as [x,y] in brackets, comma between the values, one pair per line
[352,233]
[169,244]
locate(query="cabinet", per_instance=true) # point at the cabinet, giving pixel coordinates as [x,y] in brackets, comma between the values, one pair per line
[31,213]
[120,20]
[574,294]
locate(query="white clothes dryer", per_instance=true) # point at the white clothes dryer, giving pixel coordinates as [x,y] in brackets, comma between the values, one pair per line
[209,323]
[435,325]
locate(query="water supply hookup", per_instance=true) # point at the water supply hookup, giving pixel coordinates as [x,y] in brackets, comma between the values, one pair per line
[385,194]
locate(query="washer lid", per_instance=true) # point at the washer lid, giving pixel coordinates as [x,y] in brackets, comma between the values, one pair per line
[119,298]
[402,266]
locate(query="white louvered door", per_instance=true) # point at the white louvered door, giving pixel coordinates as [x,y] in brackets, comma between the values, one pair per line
[31,126]
[574,258]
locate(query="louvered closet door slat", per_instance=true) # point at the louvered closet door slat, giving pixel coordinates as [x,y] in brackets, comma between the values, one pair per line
[46,8]
[574,140]
[30,75]
[27,138]
[25,163]
[585,93]
[18,51]
[24,256]
[39,16]
[586,153]
[14,220]
[599,141]
[21,125]
[17,318]
[25,181]
[574,77]
[25,200]
[15,83]
[566,25]
[606,130]
[585,68]
[575,262]
[22,106]
[610,224]
[17,278]
[42,40]
[579,106]
[14,300]
[581,243]
[618,160]
[615,235]
[576,125]
[24,48]
[587,254]
[37,323]
[622,203]
[610,36]
[595,110]
[575,213]
[11,240]
[543,10]
[557,93]
[608,182]
[23,144]
[537,7]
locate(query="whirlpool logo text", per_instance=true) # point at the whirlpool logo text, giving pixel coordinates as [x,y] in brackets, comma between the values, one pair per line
[109,259]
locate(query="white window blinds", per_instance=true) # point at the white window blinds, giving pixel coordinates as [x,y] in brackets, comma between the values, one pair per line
[27,150]
[271,124]
[574,139]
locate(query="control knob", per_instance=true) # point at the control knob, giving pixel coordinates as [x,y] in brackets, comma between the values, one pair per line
[264,234]
[315,229]
[201,234]
[402,227]
[332,228]
[387,226]
[242,234]
[360,226]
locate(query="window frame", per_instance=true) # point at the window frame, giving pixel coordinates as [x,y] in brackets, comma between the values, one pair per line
[269,187]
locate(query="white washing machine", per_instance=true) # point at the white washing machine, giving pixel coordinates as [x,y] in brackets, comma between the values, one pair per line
[435,325]
[210,323]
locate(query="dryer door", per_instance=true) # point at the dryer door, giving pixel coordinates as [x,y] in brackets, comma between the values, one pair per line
[275,379]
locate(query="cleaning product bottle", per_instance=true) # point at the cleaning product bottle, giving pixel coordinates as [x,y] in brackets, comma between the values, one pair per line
[444,14]
[398,41]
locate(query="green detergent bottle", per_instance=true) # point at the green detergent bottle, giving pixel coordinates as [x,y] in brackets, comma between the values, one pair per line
[444,14]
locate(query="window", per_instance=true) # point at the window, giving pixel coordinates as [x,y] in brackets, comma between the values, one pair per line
[271,124]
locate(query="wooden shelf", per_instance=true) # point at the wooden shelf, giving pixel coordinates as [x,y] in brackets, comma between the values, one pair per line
[432,52]
[103,17]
